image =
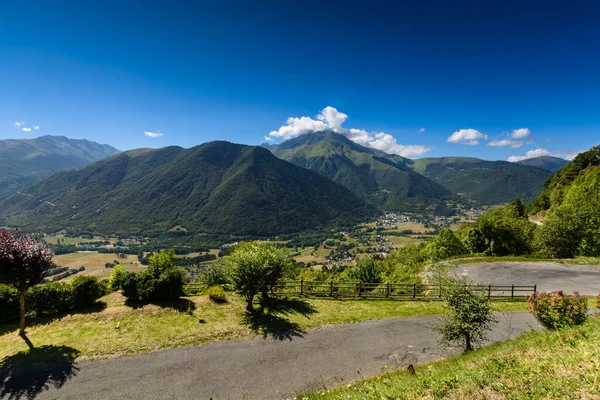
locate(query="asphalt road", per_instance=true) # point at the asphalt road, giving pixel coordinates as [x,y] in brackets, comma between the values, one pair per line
[548,276]
[268,368]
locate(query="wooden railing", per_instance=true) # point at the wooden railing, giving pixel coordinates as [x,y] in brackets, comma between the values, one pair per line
[390,290]
[381,290]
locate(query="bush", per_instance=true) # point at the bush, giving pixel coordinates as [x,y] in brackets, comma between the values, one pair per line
[9,302]
[86,290]
[129,284]
[115,282]
[49,298]
[216,294]
[215,275]
[469,316]
[598,301]
[555,310]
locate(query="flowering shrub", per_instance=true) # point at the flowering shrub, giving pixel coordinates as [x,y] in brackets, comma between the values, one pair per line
[598,301]
[216,294]
[555,310]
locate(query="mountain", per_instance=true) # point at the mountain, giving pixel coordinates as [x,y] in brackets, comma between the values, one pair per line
[25,161]
[483,182]
[585,166]
[217,187]
[377,177]
[552,164]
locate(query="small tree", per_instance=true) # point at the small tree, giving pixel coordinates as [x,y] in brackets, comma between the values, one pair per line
[24,259]
[254,267]
[468,318]
[367,270]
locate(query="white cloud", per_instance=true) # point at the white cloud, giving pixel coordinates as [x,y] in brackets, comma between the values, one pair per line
[26,129]
[268,138]
[467,136]
[19,124]
[506,142]
[36,127]
[568,155]
[153,134]
[521,133]
[422,130]
[332,119]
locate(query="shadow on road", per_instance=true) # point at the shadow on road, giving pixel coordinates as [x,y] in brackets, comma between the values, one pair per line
[268,319]
[27,373]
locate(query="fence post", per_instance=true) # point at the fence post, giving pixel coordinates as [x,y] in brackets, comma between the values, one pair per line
[440,292]
[301,286]
[512,292]
[331,288]
[489,291]
[359,289]
[414,290]
[534,288]
[387,290]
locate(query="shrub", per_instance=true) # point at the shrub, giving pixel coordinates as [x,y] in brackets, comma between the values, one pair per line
[555,310]
[215,275]
[469,316]
[129,284]
[49,298]
[115,281]
[9,302]
[86,290]
[216,294]
[367,270]
[598,301]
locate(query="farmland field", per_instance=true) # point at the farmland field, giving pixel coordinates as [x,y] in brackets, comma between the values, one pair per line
[94,263]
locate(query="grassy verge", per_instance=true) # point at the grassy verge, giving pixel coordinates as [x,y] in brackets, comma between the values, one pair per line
[562,364]
[478,259]
[119,329]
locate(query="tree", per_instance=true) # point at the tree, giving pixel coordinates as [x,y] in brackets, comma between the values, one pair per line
[469,316]
[367,270]
[24,259]
[254,267]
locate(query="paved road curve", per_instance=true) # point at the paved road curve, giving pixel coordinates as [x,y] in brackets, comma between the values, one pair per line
[548,276]
[268,368]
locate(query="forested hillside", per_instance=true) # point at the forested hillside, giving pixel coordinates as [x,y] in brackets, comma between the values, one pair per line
[552,164]
[377,177]
[218,187]
[25,161]
[483,182]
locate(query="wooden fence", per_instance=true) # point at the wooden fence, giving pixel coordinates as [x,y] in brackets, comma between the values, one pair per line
[390,290]
[381,290]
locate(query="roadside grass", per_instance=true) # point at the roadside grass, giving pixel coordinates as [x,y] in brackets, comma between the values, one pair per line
[120,329]
[562,364]
[477,259]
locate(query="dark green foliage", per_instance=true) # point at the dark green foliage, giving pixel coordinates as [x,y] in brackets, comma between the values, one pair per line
[468,318]
[86,290]
[559,183]
[484,182]
[380,179]
[161,281]
[215,275]
[51,298]
[25,161]
[367,270]
[218,188]
[254,267]
[444,245]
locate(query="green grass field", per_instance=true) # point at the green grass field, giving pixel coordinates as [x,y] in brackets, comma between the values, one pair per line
[118,329]
[94,263]
[562,364]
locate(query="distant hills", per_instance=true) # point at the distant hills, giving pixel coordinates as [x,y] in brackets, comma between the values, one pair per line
[25,161]
[381,179]
[552,164]
[483,182]
[217,187]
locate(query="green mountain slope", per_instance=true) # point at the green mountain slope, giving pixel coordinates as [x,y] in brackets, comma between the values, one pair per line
[552,164]
[218,187]
[560,183]
[25,161]
[483,182]
[378,178]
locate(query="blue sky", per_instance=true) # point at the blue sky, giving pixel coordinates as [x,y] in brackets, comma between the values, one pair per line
[405,78]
